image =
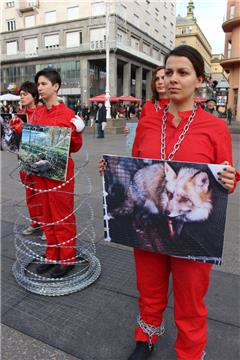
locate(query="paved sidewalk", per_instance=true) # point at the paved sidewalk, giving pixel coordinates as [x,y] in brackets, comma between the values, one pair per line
[98,323]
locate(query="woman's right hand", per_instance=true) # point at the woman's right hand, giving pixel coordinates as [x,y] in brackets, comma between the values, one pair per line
[126,131]
[102,167]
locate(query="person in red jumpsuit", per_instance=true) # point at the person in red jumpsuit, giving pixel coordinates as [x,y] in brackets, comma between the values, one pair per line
[159,97]
[58,219]
[29,99]
[207,140]
[199,137]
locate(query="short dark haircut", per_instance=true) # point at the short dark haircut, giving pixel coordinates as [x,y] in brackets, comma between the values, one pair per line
[192,54]
[51,74]
[155,95]
[31,88]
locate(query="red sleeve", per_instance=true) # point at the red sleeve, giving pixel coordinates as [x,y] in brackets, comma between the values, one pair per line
[16,125]
[76,137]
[76,140]
[137,139]
[223,145]
[223,149]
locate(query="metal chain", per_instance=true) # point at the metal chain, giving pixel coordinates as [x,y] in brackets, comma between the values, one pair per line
[150,330]
[181,136]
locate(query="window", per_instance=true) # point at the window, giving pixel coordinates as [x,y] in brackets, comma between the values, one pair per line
[31,46]
[10,4]
[98,9]
[136,20]
[155,54]
[147,24]
[232,11]
[146,49]
[97,38]
[73,13]
[12,48]
[120,36]
[51,41]
[135,43]
[29,21]
[50,17]
[73,39]
[11,24]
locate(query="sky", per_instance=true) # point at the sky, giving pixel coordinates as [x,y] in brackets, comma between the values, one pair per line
[210,16]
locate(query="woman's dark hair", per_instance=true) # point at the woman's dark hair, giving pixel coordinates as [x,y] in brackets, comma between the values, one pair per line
[31,88]
[155,95]
[51,74]
[192,54]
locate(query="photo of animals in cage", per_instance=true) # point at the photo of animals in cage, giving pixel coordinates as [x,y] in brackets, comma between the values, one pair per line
[174,208]
[44,150]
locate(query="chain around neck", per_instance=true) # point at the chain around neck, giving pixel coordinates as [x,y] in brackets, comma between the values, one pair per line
[181,136]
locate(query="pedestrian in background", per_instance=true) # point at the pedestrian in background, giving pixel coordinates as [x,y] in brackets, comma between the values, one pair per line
[101,119]
[211,107]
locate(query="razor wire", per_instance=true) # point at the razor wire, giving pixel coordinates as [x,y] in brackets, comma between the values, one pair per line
[30,249]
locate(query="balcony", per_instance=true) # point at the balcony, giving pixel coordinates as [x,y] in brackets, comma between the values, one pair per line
[27,5]
[229,24]
[232,58]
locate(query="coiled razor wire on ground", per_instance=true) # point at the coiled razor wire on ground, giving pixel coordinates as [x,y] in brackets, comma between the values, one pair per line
[30,252]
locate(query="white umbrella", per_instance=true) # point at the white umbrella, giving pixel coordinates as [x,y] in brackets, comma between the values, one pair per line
[9,97]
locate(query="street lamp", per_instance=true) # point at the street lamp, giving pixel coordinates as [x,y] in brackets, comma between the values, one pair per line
[107,101]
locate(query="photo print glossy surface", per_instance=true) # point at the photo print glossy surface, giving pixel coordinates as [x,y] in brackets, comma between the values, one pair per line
[44,150]
[173,208]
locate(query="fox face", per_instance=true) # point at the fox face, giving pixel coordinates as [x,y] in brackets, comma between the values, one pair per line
[186,196]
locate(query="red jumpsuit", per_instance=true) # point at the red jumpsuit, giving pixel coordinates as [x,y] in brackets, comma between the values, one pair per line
[207,141]
[149,107]
[32,197]
[58,204]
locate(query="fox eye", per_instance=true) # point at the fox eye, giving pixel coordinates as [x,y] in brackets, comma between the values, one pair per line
[170,195]
[184,199]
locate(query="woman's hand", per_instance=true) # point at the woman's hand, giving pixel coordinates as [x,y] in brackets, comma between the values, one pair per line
[102,167]
[227,176]
[126,131]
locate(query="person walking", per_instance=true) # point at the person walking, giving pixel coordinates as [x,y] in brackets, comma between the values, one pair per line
[101,120]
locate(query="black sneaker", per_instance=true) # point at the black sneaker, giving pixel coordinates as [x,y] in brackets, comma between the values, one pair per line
[142,351]
[41,269]
[61,271]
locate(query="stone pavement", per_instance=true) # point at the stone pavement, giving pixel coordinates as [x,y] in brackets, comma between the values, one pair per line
[98,323]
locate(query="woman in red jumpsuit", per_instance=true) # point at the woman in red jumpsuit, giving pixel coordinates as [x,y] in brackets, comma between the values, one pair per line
[58,204]
[159,97]
[29,99]
[204,139]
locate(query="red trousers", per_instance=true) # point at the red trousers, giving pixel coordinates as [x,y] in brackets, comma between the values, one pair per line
[56,205]
[33,198]
[190,285]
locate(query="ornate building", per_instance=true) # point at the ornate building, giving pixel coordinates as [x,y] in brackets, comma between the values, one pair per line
[231,62]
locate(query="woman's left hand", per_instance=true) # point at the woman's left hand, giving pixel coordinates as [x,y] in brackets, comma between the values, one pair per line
[227,176]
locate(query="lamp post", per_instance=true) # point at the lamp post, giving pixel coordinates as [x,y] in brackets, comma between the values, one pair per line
[107,102]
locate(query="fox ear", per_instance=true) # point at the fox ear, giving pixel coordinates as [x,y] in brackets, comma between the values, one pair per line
[201,181]
[169,172]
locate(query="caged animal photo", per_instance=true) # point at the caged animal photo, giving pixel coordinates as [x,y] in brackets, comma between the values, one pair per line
[170,207]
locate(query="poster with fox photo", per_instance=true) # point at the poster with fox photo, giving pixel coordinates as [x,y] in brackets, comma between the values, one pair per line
[44,150]
[174,208]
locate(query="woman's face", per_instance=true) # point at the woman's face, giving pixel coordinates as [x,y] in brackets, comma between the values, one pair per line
[26,98]
[180,79]
[159,82]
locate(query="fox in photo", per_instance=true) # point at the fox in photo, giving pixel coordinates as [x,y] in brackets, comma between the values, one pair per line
[187,197]
[158,190]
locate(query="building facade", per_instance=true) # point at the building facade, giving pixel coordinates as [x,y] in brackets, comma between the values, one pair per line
[71,37]
[231,62]
[188,32]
